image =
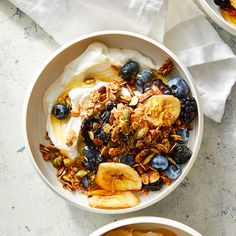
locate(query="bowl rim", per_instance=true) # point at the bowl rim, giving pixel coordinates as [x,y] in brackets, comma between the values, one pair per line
[196,96]
[143,220]
[216,18]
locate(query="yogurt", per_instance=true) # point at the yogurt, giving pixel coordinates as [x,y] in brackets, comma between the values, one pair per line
[95,62]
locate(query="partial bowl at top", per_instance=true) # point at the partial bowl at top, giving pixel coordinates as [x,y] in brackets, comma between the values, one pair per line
[215,13]
[35,118]
[165,227]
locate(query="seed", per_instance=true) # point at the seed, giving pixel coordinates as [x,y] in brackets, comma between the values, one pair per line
[141,133]
[67,162]
[82,173]
[57,162]
[89,80]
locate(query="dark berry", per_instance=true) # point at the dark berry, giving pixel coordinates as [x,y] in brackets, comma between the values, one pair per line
[173,171]
[188,109]
[105,115]
[85,181]
[145,76]
[182,154]
[222,3]
[110,105]
[140,85]
[166,90]
[99,160]
[86,165]
[159,162]
[129,70]
[90,152]
[154,186]
[178,87]
[60,111]
[128,159]
[99,133]
[184,134]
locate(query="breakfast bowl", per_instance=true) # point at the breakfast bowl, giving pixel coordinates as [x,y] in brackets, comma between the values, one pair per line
[144,225]
[224,18]
[117,51]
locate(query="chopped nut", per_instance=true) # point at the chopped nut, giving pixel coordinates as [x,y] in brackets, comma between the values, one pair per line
[107,128]
[113,152]
[176,137]
[166,68]
[150,177]
[104,151]
[102,89]
[166,180]
[91,135]
[98,142]
[130,90]
[142,155]
[134,101]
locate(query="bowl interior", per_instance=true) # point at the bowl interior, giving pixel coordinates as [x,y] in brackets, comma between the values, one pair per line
[35,122]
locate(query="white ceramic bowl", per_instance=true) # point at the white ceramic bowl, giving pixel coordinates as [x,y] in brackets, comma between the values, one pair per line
[35,118]
[148,223]
[214,12]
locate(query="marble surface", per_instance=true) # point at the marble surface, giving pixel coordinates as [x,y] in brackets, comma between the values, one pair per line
[206,200]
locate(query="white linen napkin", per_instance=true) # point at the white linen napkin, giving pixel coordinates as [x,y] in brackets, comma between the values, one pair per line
[178,24]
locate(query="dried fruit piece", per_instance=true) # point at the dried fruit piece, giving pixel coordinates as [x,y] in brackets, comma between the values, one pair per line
[162,110]
[124,199]
[117,176]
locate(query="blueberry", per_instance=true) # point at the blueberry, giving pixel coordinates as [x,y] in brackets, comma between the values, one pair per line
[85,181]
[105,115]
[159,162]
[145,76]
[86,165]
[154,186]
[60,111]
[182,154]
[90,152]
[178,87]
[184,134]
[129,70]
[128,159]
[140,85]
[173,171]
[99,160]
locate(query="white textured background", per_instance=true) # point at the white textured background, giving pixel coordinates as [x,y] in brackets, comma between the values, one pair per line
[206,200]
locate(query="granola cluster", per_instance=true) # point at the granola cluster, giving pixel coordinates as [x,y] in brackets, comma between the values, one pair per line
[115,129]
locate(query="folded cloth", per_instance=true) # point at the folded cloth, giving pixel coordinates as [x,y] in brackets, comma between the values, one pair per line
[178,24]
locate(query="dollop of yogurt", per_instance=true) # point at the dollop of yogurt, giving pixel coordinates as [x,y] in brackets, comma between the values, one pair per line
[96,62]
